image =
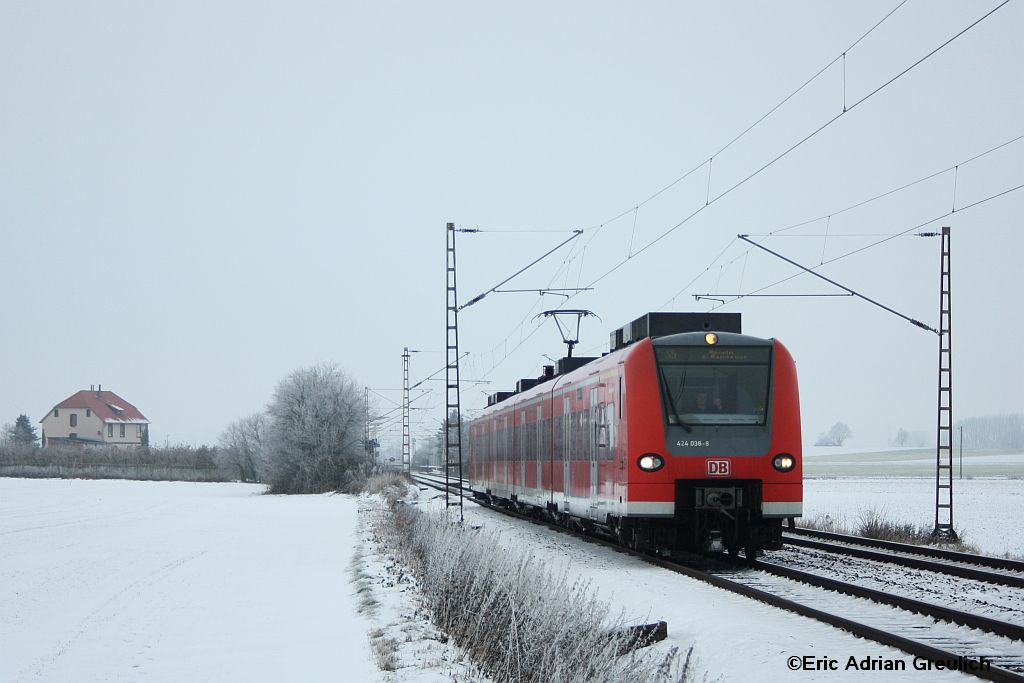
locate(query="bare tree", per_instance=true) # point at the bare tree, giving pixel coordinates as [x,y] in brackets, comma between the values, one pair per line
[994,431]
[314,431]
[242,447]
[836,435]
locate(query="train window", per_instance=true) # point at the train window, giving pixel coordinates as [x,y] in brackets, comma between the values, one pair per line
[586,428]
[566,424]
[717,386]
[574,436]
[622,398]
[547,439]
[570,446]
[581,435]
[539,427]
[492,442]
[610,455]
[505,439]
[556,439]
[585,434]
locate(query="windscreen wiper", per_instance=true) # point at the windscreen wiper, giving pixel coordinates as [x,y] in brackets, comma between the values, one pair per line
[671,401]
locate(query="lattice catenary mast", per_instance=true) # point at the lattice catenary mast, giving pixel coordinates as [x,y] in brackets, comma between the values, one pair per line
[406,446]
[944,425]
[453,404]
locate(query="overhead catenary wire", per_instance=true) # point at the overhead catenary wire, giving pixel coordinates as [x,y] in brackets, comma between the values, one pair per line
[799,143]
[912,321]
[479,297]
[751,127]
[712,200]
[389,400]
[778,232]
[563,266]
[893,236]
[514,230]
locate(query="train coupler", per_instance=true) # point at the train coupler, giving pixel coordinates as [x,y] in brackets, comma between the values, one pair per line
[713,542]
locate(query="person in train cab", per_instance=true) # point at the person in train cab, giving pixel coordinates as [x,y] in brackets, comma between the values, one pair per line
[705,406]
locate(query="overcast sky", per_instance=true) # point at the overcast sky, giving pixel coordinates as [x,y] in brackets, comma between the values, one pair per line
[197,198]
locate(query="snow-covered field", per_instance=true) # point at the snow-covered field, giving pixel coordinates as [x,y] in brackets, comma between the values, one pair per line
[988,502]
[909,462]
[989,513]
[158,581]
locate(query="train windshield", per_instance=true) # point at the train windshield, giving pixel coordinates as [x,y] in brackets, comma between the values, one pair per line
[714,385]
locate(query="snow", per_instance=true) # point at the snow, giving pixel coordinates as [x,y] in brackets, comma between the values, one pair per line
[965,595]
[909,462]
[988,513]
[734,638]
[159,581]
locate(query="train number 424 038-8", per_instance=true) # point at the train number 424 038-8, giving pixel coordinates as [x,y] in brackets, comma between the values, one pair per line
[691,444]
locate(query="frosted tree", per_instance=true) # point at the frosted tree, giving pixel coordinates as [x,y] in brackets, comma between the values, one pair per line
[836,435]
[242,448]
[314,431]
[993,431]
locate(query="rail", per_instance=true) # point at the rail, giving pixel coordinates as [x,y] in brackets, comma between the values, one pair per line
[858,628]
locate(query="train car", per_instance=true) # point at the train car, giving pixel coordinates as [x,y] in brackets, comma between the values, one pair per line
[685,436]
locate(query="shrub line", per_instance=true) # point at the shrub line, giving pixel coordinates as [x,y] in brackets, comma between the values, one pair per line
[516,620]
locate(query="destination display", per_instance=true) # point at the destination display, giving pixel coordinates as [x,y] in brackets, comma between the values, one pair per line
[717,355]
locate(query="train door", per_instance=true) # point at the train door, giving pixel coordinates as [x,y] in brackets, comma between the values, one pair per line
[566,449]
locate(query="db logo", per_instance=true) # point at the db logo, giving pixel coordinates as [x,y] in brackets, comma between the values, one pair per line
[718,468]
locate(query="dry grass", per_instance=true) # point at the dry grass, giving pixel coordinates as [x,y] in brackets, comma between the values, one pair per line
[872,523]
[385,650]
[363,583]
[391,486]
[516,621]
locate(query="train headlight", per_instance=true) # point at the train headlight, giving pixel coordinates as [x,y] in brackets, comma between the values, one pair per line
[650,462]
[711,338]
[784,462]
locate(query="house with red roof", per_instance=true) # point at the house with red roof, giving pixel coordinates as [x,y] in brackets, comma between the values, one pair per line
[96,417]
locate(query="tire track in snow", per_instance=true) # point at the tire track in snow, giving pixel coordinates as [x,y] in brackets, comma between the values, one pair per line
[106,611]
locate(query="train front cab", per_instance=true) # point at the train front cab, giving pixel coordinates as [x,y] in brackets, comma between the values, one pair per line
[717,417]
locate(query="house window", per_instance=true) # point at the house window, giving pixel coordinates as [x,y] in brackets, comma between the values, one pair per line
[88,413]
[138,431]
[122,430]
[110,430]
[55,413]
[74,419]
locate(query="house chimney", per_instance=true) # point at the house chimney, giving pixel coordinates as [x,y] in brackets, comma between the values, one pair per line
[99,390]
[92,387]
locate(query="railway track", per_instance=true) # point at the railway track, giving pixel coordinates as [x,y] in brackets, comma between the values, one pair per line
[920,628]
[993,570]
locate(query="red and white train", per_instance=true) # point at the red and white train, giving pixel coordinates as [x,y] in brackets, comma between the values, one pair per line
[685,436]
